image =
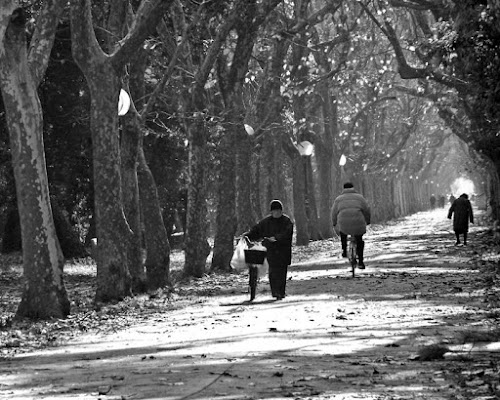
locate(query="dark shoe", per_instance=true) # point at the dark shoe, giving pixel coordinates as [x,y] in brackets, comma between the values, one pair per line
[344,253]
[361,265]
[457,243]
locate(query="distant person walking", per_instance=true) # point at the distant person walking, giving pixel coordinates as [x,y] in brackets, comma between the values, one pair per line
[452,199]
[461,209]
[433,201]
[441,201]
[352,213]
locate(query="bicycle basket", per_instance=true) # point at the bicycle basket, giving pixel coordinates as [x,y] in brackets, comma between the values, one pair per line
[254,256]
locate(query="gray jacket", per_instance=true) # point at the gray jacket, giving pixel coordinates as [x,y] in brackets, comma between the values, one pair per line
[351,212]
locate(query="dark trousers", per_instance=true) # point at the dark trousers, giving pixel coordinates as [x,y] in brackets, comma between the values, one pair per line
[360,244]
[457,235]
[277,279]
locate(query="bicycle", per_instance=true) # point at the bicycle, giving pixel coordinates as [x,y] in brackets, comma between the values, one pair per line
[253,257]
[253,279]
[352,249]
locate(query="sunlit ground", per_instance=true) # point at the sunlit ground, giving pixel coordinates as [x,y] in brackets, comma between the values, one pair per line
[333,337]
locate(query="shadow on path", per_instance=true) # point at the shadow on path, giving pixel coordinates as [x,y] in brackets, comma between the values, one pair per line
[333,336]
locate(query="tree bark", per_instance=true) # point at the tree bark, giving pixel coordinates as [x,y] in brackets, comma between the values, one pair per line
[155,234]
[301,221]
[246,190]
[130,147]
[311,206]
[197,248]
[325,156]
[226,206]
[152,229]
[44,294]
[102,72]
[234,136]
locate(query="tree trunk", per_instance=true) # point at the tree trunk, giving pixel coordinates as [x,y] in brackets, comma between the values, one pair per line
[272,169]
[299,211]
[152,228]
[155,234]
[130,142]
[232,154]
[102,72]
[226,215]
[44,294]
[494,195]
[114,236]
[113,233]
[197,248]
[245,189]
[325,156]
[325,189]
[311,207]
[255,194]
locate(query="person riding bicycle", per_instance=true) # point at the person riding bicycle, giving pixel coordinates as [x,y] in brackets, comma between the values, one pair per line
[351,212]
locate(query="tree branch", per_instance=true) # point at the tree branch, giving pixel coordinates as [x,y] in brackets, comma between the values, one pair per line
[203,72]
[83,40]
[43,38]
[407,72]
[148,17]
[6,11]
[366,107]
[173,61]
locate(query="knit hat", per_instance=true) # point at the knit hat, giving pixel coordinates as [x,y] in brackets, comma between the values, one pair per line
[276,205]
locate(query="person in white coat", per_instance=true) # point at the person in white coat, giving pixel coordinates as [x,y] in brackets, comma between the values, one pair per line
[351,212]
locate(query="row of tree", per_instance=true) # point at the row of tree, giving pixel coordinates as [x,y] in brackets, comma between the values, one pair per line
[234,87]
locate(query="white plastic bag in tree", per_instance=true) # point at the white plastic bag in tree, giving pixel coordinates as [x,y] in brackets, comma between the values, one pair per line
[238,261]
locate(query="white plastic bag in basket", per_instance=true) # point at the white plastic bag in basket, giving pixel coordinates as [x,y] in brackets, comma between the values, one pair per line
[259,247]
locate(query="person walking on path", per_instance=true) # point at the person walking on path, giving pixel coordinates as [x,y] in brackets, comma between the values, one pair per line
[461,209]
[433,202]
[276,230]
[441,201]
[351,212]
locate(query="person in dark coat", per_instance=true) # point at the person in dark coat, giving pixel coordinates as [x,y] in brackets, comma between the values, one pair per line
[276,231]
[433,201]
[352,213]
[461,209]
[441,201]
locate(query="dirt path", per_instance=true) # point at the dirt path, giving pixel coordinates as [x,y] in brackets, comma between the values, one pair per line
[332,337]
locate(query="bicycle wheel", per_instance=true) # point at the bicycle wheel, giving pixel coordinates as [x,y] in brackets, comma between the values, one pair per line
[253,273]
